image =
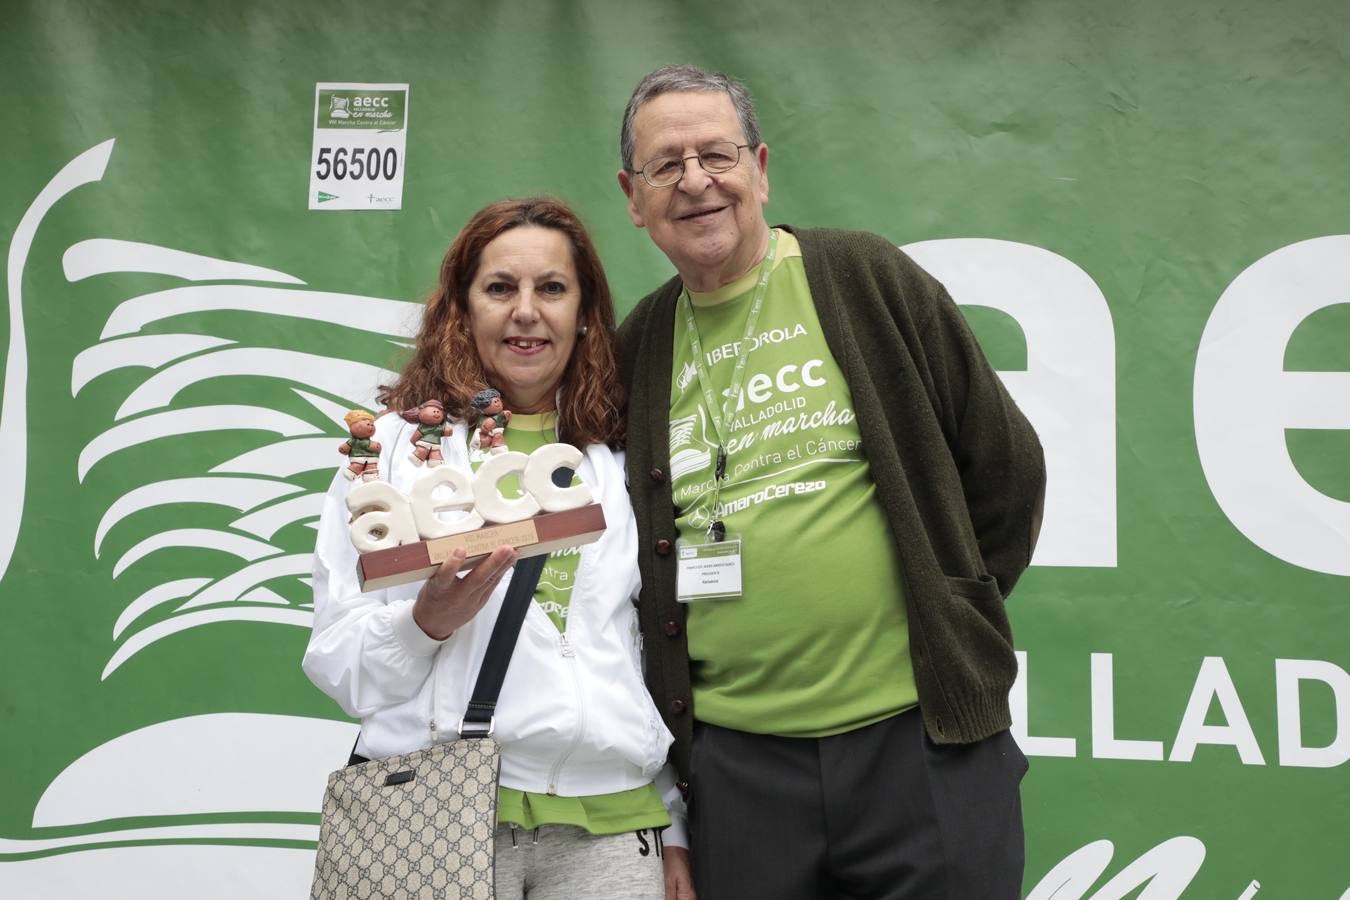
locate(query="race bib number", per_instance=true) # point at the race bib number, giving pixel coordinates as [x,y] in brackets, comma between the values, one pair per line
[360,135]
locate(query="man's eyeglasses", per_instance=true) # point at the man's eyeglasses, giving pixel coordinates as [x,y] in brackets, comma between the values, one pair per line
[663,171]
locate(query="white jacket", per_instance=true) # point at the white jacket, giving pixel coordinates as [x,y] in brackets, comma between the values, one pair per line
[574,717]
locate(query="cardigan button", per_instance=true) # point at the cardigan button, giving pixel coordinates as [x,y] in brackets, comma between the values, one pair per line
[678,706]
[663,547]
[671,628]
[658,475]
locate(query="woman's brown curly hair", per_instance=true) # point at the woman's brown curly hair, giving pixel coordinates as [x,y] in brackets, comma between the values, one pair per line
[445,365]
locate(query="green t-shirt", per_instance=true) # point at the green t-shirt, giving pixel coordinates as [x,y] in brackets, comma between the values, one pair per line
[599,814]
[818,643]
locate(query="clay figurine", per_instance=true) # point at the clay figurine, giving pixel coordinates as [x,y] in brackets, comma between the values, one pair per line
[430,419]
[493,416]
[363,454]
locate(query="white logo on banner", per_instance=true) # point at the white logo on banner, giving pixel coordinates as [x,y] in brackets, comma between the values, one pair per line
[1245,401]
[247,765]
[1163,873]
[1213,685]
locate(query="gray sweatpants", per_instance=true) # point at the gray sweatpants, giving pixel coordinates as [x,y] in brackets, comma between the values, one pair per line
[563,862]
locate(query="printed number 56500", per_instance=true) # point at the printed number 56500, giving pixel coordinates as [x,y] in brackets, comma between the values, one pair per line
[357,163]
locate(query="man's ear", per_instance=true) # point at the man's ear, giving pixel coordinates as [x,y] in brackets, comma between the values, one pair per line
[762,157]
[626,182]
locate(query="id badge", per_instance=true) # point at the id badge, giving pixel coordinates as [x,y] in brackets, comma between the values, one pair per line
[708,570]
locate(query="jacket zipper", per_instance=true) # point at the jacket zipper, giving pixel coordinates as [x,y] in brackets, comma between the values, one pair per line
[435,665]
[569,653]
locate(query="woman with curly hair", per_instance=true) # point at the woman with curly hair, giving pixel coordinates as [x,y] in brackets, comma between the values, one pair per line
[522,307]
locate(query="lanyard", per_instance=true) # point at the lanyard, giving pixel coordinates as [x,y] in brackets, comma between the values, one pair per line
[722,415]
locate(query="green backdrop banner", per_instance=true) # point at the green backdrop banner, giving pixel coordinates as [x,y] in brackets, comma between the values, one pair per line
[1143,208]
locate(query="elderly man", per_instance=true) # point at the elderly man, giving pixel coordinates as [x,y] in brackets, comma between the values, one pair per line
[834,495]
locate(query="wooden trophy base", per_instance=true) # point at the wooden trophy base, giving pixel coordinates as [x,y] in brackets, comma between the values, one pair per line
[540,534]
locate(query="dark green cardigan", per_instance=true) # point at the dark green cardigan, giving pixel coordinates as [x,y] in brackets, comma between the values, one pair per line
[958,469]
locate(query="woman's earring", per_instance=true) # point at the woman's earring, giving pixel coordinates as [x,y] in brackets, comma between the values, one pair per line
[582,329]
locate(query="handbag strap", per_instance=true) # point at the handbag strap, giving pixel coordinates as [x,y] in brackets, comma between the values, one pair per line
[477,721]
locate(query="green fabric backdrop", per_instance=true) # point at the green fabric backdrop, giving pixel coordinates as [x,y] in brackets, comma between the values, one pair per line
[151,702]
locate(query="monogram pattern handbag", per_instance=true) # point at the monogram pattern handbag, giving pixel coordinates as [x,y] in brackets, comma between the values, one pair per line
[411,826]
[420,826]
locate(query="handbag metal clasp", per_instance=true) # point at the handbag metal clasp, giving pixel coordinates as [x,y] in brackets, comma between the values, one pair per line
[477,729]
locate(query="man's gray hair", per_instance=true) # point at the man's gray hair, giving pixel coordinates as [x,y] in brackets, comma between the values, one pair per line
[670,79]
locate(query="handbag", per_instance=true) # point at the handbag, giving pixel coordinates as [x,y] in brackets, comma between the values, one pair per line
[420,825]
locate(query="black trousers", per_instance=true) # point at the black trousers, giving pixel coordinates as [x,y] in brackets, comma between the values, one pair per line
[880,813]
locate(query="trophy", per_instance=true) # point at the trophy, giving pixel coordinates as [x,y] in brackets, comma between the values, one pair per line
[406,538]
